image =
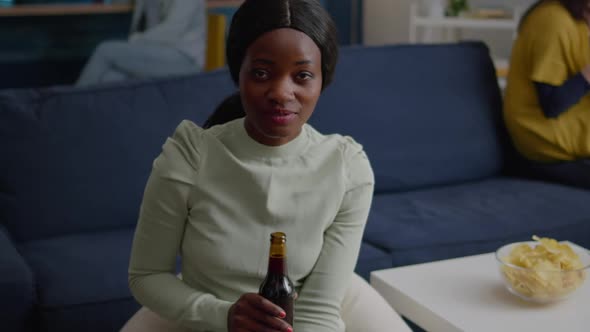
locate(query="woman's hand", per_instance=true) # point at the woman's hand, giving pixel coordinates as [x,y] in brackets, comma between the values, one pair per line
[254,313]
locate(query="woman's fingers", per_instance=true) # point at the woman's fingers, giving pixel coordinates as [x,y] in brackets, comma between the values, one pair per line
[254,326]
[264,305]
[267,313]
[253,312]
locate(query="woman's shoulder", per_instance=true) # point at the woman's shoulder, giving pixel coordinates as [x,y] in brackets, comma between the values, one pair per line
[189,143]
[547,24]
[188,132]
[343,143]
[181,148]
[550,14]
[188,128]
[352,152]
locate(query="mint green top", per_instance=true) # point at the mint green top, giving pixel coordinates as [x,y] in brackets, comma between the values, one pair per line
[215,195]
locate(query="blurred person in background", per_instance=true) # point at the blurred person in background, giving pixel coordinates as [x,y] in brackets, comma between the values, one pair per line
[546,105]
[168,37]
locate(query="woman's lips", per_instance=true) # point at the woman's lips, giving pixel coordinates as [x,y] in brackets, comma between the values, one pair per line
[282,117]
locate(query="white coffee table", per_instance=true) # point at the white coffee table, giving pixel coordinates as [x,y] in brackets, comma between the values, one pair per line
[467,294]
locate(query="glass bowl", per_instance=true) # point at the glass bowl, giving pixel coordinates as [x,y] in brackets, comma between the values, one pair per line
[541,286]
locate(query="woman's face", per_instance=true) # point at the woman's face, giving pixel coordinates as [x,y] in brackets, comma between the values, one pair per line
[280,83]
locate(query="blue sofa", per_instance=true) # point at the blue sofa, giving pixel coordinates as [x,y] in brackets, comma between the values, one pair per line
[74,164]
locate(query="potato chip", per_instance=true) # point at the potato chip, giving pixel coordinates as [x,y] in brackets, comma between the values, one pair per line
[550,269]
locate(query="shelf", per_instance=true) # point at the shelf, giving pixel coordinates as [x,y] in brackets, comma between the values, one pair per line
[64,9]
[502,66]
[439,28]
[223,3]
[460,22]
[88,9]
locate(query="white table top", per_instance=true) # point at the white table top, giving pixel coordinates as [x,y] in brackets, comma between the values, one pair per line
[467,294]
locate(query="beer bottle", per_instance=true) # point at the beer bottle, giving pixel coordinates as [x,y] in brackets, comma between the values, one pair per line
[277,287]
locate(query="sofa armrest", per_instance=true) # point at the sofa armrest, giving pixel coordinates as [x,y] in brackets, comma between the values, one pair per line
[16,287]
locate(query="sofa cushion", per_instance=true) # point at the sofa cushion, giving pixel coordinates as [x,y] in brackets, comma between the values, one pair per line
[81,280]
[95,317]
[426,114]
[80,269]
[16,284]
[77,159]
[477,217]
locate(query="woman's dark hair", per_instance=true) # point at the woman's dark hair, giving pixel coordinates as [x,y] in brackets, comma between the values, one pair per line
[574,7]
[257,17]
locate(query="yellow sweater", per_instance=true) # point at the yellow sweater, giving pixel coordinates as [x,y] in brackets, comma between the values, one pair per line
[215,195]
[551,47]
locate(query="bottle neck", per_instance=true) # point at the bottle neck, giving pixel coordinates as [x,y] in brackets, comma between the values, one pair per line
[277,256]
[277,265]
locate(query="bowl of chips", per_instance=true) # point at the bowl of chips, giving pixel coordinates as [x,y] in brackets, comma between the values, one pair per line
[543,270]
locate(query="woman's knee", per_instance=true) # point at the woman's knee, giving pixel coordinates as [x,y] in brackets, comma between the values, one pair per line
[364,309]
[111,48]
[146,320]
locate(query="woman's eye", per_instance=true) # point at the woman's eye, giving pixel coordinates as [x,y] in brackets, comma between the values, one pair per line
[304,76]
[260,74]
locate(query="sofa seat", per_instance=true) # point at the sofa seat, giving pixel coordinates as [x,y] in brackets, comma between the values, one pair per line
[371,258]
[17,296]
[82,278]
[471,218]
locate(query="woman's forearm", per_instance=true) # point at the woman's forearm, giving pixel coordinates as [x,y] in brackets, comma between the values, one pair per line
[555,100]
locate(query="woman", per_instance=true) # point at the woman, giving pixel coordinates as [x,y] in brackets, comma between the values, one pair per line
[546,106]
[215,195]
[168,37]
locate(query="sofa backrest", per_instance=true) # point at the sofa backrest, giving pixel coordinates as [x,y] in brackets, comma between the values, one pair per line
[426,114]
[76,160]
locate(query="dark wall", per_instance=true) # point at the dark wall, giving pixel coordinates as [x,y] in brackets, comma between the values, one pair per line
[348,17]
[39,51]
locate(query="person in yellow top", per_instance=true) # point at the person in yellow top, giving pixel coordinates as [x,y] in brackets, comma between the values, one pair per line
[546,103]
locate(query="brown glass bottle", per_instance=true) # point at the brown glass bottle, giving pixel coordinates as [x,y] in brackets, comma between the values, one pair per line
[277,287]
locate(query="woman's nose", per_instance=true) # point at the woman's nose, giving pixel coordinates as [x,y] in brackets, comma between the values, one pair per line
[281,91]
